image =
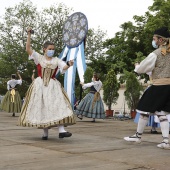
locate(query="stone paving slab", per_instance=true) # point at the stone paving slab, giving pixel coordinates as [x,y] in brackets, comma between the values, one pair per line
[93,146]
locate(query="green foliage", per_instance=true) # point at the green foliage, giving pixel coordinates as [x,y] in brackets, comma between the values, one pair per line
[95,51]
[87,79]
[78,88]
[47,25]
[122,49]
[133,43]
[94,44]
[110,89]
[88,74]
[133,90]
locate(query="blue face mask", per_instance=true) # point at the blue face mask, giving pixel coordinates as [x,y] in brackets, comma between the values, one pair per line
[50,53]
[154,44]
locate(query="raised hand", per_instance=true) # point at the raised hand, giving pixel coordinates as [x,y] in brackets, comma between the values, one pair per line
[71,62]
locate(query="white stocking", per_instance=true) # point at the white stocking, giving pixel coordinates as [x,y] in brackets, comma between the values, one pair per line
[61,129]
[143,120]
[164,124]
[45,132]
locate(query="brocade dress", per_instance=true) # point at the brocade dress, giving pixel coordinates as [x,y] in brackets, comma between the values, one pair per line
[46,103]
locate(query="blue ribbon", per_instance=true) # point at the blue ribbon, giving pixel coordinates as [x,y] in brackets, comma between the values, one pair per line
[76,54]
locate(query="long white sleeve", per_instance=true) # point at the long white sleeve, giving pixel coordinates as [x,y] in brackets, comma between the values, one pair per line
[61,65]
[97,85]
[35,56]
[19,81]
[147,65]
[87,85]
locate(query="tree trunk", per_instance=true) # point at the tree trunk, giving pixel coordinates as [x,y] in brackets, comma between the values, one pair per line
[110,105]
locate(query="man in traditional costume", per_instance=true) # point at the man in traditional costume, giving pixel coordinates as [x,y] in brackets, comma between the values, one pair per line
[153,120]
[11,102]
[156,99]
[46,103]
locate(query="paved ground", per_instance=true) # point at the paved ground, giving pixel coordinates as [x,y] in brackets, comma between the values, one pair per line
[93,146]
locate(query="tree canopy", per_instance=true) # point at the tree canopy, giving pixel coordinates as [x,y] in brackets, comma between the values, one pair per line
[47,25]
[110,89]
[133,90]
[133,43]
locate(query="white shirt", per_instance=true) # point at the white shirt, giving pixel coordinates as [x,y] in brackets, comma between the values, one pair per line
[12,83]
[147,65]
[97,85]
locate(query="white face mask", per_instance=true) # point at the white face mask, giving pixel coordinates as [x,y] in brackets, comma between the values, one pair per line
[50,53]
[154,44]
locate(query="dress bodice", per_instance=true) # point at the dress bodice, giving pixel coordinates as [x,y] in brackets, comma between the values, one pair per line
[46,73]
[92,89]
[47,68]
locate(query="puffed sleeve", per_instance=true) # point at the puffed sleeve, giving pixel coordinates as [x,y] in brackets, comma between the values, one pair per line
[61,64]
[147,65]
[149,73]
[97,85]
[19,82]
[35,56]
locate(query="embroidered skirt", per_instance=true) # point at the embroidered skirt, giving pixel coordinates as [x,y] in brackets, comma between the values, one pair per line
[11,103]
[87,109]
[46,106]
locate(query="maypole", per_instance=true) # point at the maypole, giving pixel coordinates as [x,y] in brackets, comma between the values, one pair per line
[74,34]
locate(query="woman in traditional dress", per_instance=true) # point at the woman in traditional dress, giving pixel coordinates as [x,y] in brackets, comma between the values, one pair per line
[91,105]
[46,103]
[11,102]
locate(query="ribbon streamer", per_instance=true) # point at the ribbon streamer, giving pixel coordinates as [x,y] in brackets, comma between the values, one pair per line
[12,95]
[76,54]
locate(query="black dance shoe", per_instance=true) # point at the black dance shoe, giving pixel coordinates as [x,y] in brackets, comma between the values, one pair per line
[154,132]
[65,134]
[44,137]
[80,117]
[93,120]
